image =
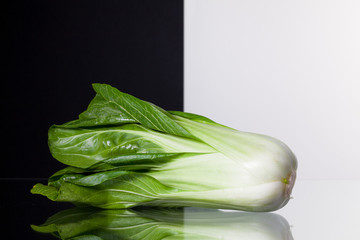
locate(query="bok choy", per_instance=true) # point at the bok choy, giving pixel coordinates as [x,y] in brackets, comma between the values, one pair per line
[124,152]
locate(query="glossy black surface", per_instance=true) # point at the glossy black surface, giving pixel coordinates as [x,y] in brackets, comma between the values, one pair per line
[20,208]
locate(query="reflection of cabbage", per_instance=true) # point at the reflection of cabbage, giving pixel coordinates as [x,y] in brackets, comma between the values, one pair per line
[154,224]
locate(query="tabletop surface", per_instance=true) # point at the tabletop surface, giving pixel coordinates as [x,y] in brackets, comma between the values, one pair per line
[319,209]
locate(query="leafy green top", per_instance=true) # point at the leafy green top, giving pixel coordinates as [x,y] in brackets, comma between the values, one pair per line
[113,107]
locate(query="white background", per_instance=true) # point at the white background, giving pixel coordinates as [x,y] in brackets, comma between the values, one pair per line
[289,69]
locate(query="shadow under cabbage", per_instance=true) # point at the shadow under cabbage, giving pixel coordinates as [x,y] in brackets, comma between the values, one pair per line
[159,223]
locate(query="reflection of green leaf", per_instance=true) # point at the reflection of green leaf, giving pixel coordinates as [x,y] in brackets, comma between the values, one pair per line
[157,223]
[91,223]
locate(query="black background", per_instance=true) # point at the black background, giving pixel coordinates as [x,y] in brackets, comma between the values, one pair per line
[54,50]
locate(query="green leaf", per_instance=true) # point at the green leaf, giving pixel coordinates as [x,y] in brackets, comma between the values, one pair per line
[137,161]
[64,174]
[101,112]
[192,116]
[108,189]
[141,111]
[68,170]
[85,147]
[84,178]
[50,228]
[47,191]
[196,118]
[111,106]
[97,178]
